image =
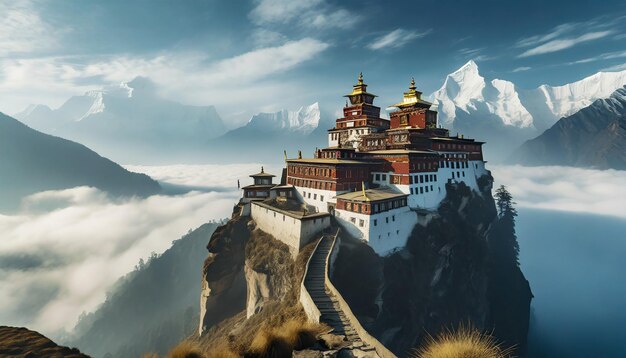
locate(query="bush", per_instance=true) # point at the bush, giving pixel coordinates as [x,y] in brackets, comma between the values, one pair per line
[465,342]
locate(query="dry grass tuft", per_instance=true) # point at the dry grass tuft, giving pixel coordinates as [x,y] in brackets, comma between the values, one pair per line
[295,334]
[222,351]
[186,349]
[465,342]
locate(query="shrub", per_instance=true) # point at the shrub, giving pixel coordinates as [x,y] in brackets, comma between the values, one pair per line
[465,342]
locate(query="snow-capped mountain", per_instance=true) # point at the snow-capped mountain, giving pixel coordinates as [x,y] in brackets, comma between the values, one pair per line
[268,134]
[466,90]
[504,115]
[594,137]
[128,122]
[303,121]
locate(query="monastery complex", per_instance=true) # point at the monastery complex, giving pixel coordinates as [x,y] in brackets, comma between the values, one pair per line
[374,177]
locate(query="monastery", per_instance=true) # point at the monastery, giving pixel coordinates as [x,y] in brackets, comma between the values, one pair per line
[373,178]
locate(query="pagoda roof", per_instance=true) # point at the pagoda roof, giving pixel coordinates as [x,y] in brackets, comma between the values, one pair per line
[412,98]
[360,88]
[262,174]
[378,194]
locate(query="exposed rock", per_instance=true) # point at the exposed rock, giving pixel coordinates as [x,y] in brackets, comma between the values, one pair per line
[439,280]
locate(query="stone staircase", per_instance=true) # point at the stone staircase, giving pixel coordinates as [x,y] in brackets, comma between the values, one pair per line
[331,312]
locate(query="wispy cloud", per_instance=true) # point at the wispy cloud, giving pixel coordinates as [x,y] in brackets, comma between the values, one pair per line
[566,188]
[604,56]
[316,14]
[619,67]
[23,30]
[475,54]
[568,35]
[521,69]
[397,38]
[187,77]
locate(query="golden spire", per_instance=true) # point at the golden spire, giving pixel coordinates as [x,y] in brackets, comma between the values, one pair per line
[412,98]
[262,170]
[363,189]
[360,78]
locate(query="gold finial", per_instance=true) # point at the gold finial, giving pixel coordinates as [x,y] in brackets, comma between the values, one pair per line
[412,86]
[360,78]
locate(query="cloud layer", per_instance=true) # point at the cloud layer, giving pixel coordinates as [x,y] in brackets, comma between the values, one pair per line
[565,189]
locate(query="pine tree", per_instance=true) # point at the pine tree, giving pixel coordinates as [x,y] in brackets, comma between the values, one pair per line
[508,247]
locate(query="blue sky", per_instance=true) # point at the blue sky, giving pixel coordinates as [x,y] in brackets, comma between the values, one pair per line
[262,55]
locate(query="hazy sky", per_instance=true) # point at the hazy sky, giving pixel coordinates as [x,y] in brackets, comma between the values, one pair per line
[250,56]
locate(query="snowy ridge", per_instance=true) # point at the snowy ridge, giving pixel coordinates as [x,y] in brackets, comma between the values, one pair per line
[466,90]
[304,120]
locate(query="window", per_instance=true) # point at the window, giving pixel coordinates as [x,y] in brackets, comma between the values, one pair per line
[361,222]
[431,188]
[387,220]
[376,224]
[421,190]
[283,217]
[309,196]
[353,220]
[314,196]
[322,198]
[393,218]
[377,177]
[384,177]
[421,178]
[397,232]
[427,188]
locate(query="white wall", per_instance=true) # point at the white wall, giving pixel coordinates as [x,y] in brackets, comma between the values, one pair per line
[391,231]
[314,197]
[293,232]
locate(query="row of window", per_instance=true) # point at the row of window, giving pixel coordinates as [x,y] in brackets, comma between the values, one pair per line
[311,171]
[423,189]
[256,194]
[454,165]
[454,146]
[314,184]
[308,196]
[374,222]
[422,178]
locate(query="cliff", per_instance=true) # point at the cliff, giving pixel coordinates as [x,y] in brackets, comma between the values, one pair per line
[444,276]
[449,273]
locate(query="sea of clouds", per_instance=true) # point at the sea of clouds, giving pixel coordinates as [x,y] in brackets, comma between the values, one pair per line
[65,249]
[565,188]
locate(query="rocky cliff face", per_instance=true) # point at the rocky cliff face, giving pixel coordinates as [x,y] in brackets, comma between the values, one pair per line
[445,276]
[442,278]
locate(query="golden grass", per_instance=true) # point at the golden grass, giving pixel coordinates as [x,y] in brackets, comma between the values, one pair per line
[185,349]
[295,334]
[464,342]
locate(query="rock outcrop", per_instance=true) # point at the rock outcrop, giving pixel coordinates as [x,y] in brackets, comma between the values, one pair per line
[441,279]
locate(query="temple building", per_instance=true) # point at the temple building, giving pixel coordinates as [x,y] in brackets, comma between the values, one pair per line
[376,173]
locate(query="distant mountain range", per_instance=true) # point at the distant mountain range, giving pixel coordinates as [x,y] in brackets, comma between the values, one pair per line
[267,135]
[593,137]
[129,123]
[503,115]
[31,162]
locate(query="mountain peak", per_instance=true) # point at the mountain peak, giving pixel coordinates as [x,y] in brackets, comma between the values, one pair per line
[469,66]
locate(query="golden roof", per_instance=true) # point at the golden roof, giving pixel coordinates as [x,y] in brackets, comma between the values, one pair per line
[412,98]
[359,88]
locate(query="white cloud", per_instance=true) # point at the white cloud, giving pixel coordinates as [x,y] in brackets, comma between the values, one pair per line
[397,38]
[553,34]
[562,44]
[521,69]
[71,245]
[565,188]
[604,56]
[315,14]
[619,67]
[188,77]
[23,30]
[61,253]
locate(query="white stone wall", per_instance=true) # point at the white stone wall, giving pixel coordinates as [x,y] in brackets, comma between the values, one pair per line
[293,232]
[317,197]
[384,231]
[333,142]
